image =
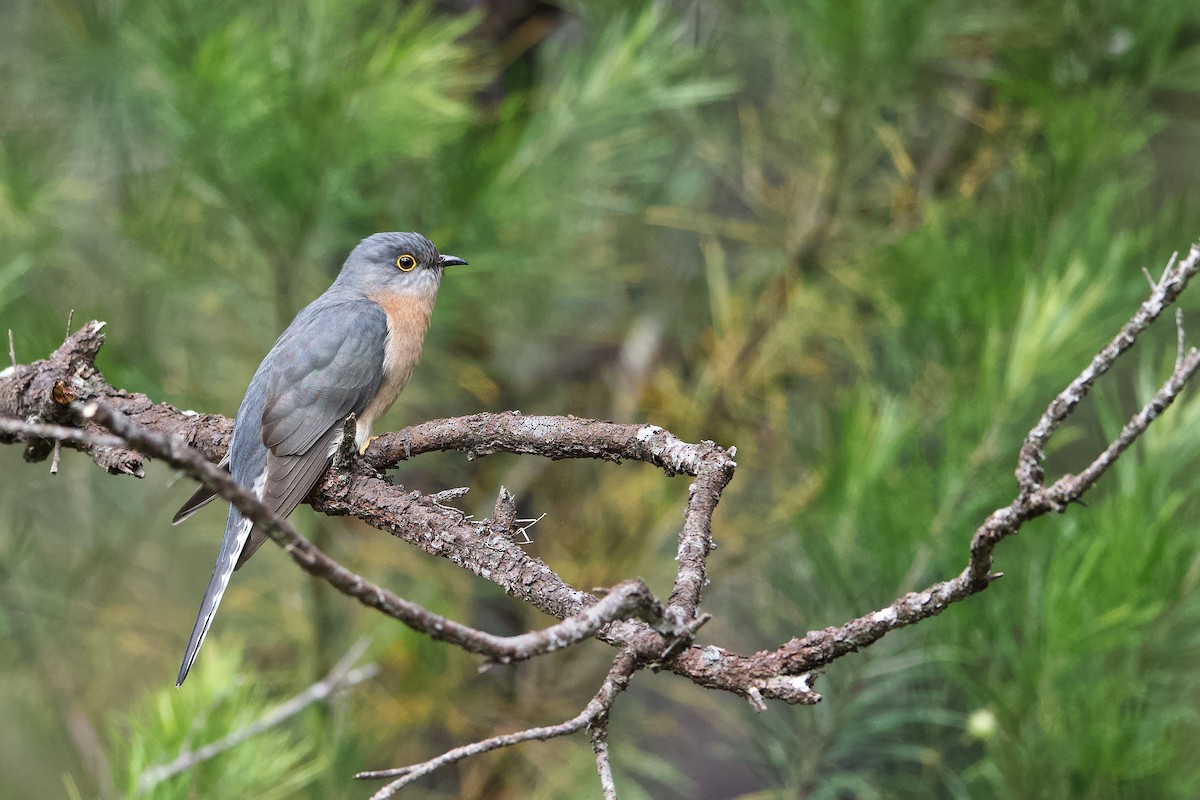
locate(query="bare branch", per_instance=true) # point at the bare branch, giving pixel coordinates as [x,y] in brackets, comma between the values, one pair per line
[1180,339]
[363,493]
[614,683]
[573,437]
[599,734]
[1072,487]
[342,676]
[624,601]
[43,391]
[27,431]
[629,599]
[1030,476]
[551,437]
[767,673]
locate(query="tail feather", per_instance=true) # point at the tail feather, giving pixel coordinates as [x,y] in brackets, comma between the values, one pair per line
[237,530]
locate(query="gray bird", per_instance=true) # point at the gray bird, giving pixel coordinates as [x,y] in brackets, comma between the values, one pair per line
[350,351]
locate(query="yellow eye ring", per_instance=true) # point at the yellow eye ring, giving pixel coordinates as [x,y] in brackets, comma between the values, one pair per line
[406,262]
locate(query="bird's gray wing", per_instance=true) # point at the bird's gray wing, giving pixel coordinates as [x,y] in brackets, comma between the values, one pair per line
[326,369]
[326,365]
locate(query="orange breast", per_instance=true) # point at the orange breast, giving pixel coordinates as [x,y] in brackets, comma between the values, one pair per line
[408,319]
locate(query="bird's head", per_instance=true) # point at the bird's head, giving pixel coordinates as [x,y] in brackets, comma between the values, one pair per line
[396,262]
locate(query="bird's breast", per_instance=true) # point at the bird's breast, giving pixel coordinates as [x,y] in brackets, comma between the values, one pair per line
[407,321]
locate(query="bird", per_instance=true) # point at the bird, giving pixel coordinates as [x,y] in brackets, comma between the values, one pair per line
[350,351]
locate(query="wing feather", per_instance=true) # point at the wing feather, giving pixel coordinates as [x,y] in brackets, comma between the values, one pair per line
[318,379]
[282,493]
[320,374]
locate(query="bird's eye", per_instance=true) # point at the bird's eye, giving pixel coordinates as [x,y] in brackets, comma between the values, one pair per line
[406,262]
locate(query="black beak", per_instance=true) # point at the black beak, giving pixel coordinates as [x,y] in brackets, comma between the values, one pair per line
[452,261]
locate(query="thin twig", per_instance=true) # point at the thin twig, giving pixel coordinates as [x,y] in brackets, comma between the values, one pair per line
[59,433]
[1180,339]
[1149,279]
[521,535]
[614,683]
[341,676]
[1075,486]
[12,351]
[1175,278]
[599,734]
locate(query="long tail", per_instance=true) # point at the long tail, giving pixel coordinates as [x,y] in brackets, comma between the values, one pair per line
[237,530]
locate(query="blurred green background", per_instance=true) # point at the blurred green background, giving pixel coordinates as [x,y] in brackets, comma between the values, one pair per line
[865,241]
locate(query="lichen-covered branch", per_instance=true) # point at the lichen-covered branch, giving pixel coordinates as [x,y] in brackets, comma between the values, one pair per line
[626,600]
[768,671]
[1163,293]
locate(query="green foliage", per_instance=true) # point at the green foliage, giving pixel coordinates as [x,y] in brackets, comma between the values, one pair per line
[273,764]
[865,241]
